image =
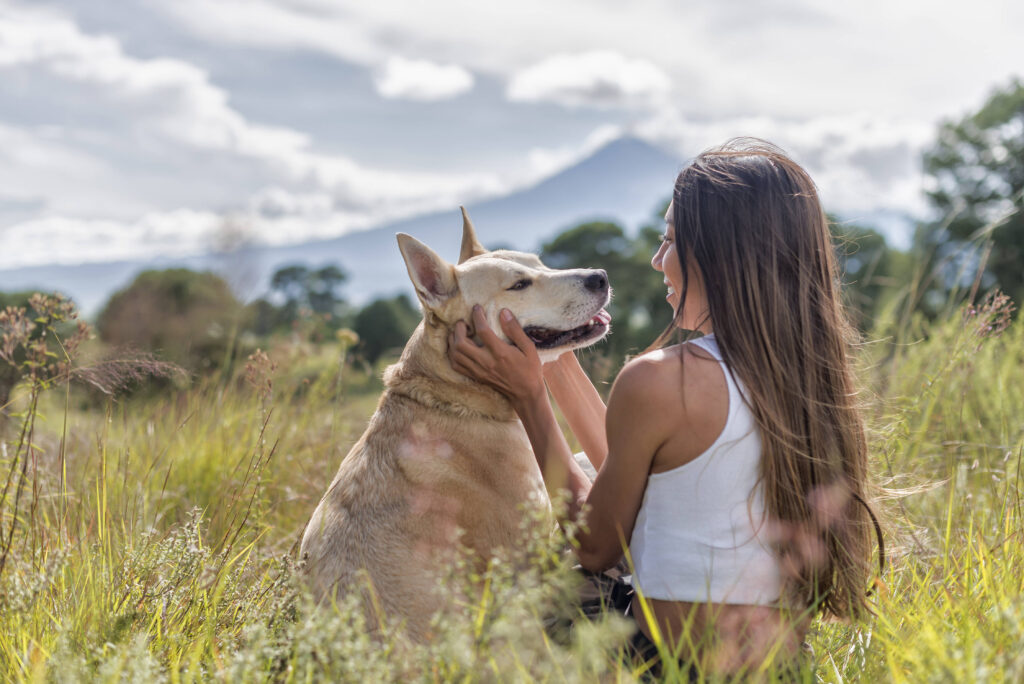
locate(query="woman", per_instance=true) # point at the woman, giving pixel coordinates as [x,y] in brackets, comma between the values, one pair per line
[732,467]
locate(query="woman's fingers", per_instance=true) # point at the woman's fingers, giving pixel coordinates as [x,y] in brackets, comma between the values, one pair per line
[461,348]
[513,369]
[468,366]
[463,361]
[484,332]
[510,325]
[458,336]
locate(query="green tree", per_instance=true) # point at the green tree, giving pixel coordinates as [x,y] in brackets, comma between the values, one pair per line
[638,308]
[651,313]
[288,283]
[186,317]
[384,325]
[322,287]
[317,290]
[598,244]
[976,168]
[872,271]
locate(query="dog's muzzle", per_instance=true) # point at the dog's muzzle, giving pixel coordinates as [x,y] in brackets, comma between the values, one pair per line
[548,338]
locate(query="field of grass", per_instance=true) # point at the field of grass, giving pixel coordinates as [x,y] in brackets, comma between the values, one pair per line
[153,538]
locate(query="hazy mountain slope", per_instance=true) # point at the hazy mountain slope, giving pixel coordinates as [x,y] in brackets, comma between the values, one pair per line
[623,181]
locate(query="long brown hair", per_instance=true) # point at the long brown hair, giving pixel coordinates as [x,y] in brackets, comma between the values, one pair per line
[752,220]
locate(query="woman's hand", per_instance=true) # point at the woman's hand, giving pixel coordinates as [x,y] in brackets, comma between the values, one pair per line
[515,371]
[512,369]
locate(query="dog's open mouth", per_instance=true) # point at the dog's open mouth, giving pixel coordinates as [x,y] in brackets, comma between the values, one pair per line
[548,338]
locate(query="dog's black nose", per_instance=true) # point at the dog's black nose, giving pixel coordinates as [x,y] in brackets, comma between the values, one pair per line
[596,281]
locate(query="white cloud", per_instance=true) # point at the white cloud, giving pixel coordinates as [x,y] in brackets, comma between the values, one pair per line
[418,79]
[601,78]
[328,27]
[852,97]
[276,202]
[864,166]
[274,218]
[176,98]
[853,91]
[37,162]
[63,239]
[772,57]
[175,133]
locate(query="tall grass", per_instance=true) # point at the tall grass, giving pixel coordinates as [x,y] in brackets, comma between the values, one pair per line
[154,538]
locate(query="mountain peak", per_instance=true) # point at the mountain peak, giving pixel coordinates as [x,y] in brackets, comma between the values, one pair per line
[635,149]
[629,143]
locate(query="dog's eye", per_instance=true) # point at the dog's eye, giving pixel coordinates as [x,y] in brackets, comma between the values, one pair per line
[521,284]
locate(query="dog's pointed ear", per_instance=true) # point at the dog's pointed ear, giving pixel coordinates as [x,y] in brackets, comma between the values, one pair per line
[432,276]
[471,247]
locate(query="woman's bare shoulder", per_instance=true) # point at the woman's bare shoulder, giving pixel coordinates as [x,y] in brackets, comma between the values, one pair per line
[652,373]
[683,390]
[674,369]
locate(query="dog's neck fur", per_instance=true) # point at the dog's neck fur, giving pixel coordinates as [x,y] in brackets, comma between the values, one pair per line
[424,374]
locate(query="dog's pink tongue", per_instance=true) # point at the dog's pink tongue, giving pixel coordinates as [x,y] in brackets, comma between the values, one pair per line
[602,317]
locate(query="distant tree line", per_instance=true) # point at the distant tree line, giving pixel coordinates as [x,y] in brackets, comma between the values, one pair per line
[193,319]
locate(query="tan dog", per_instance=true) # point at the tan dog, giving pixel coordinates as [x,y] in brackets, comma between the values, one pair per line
[442,451]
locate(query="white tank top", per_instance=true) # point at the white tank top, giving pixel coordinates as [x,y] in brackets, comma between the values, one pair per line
[699,535]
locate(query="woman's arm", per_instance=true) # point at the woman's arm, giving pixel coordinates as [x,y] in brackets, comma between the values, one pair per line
[639,419]
[559,469]
[515,371]
[580,403]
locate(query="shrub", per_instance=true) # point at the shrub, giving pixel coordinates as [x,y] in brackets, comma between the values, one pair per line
[186,317]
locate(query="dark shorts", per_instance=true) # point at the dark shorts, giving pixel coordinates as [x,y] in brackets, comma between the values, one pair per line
[611,592]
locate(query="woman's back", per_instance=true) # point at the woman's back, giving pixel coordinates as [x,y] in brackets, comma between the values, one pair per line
[700,534]
[699,550]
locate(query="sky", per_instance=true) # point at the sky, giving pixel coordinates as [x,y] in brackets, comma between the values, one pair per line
[139,128]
